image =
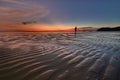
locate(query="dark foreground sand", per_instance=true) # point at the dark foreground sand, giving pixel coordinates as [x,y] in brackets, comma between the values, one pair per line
[60,56]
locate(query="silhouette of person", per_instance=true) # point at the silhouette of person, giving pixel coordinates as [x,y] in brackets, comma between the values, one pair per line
[75,30]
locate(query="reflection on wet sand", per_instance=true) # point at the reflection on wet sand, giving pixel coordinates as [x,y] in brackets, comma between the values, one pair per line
[60,56]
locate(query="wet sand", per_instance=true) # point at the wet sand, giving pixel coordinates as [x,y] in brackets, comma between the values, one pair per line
[60,56]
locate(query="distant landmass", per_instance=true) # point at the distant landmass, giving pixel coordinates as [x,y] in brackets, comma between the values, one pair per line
[109,29]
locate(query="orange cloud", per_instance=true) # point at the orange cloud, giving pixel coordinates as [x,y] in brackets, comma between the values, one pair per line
[11,17]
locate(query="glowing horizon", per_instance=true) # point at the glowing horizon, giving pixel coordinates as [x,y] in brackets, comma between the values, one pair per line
[37,28]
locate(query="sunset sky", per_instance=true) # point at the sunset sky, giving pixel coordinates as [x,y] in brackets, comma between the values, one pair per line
[58,14]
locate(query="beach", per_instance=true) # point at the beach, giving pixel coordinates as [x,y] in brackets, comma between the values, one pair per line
[59,56]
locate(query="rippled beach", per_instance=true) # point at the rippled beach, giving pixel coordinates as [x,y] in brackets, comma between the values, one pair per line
[60,56]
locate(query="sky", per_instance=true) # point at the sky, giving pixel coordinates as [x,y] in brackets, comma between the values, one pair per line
[58,14]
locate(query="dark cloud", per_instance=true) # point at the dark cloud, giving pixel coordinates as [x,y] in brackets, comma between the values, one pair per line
[29,22]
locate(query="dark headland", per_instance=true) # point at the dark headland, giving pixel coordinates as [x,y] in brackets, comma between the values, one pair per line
[109,29]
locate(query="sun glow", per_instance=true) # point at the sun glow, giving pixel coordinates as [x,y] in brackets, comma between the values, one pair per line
[48,28]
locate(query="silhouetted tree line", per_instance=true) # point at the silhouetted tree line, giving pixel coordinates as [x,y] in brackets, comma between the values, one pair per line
[109,29]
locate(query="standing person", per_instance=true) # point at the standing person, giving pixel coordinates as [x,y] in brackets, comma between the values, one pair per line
[75,31]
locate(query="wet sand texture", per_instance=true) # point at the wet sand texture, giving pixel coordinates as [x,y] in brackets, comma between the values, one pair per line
[60,56]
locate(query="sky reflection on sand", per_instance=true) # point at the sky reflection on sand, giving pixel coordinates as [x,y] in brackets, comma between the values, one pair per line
[59,56]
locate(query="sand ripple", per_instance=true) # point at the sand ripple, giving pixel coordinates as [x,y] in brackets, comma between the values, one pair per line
[60,56]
